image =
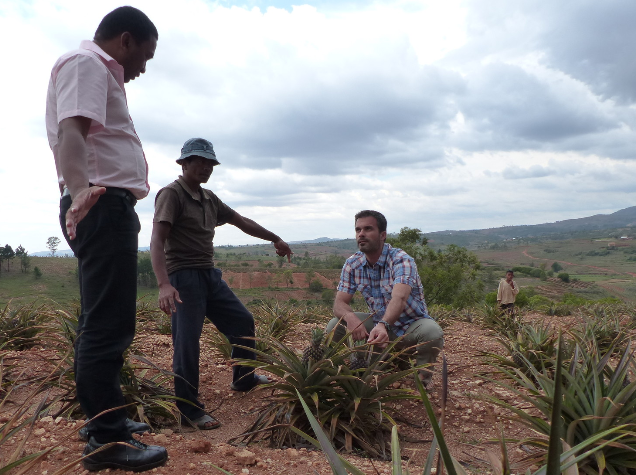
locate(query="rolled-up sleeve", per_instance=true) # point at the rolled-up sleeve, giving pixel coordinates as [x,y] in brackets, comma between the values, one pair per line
[405,271]
[81,89]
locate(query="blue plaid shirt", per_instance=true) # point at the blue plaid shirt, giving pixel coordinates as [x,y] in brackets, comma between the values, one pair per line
[376,282]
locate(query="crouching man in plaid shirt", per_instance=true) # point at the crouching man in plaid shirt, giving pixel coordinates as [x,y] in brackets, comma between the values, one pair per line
[388,280]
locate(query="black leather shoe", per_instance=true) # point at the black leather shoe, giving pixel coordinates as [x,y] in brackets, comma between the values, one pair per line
[133,426]
[135,456]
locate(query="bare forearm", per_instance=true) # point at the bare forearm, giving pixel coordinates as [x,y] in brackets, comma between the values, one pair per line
[158,259]
[341,309]
[394,310]
[252,228]
[73,160]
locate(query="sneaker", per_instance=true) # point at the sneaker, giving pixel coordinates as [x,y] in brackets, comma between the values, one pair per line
[127,455]
[258,379]
[133,426]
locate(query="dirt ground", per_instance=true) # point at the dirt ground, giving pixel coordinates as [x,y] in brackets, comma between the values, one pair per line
[471,424]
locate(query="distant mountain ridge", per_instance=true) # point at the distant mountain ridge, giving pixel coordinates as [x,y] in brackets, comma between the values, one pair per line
[624,218]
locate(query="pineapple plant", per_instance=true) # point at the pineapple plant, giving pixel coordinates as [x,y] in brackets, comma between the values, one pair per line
[315,351]
[356,362]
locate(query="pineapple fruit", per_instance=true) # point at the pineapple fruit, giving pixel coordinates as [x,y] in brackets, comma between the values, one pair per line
[356,362]
[315,351]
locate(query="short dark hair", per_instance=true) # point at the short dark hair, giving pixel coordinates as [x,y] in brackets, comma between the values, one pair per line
[126,19]
[379,217]
[510,272]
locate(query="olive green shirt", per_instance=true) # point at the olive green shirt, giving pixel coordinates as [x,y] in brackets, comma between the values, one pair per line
[192,215]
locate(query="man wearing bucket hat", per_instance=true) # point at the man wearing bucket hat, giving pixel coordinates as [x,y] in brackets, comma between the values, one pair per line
[190,287]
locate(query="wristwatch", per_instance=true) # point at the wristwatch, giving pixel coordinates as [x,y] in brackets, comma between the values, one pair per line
[386,324]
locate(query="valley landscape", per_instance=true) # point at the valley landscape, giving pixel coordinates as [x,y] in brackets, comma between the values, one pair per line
[476,396]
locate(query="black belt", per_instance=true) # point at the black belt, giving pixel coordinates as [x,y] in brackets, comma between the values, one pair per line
[121,192]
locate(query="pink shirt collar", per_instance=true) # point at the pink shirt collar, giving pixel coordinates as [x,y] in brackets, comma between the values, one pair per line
[112,64]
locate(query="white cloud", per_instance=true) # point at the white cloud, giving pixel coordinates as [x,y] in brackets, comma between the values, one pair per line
[443,115]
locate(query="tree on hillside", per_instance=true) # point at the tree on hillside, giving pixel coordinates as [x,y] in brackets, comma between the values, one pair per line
[52,243]
[8,254]
[556,267]
[449,276]
[288,276]
[25,260]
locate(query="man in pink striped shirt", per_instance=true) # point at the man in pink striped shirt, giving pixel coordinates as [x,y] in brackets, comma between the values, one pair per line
[102,172]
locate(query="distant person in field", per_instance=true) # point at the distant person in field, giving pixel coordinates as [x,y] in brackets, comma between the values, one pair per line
[388,280]
[190,287]
[507,293]
[102,172]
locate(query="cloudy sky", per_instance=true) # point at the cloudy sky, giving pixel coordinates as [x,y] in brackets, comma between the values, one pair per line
[442,115]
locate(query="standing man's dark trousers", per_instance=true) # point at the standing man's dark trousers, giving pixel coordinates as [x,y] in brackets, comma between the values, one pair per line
[106,250]
[204,293]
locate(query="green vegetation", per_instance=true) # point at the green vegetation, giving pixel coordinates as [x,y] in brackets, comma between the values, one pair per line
[449,276]
[352,405]
[596,409]
[564,276]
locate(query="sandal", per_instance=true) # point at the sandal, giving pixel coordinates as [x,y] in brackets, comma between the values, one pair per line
[205,422]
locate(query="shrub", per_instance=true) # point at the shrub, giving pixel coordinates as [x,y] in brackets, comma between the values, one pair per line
[37,273]
[538,301]
[564,276]
[572,299]
[530,271]
[559,309]
[491,298]
[316,286]
[328,296]
[522,298]
[556,267]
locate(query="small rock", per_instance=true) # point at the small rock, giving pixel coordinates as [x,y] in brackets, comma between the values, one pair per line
[245,470]
[229,450]
[160,439]
[167,432]
[47,419]
[200,446]
[58,420]
[39,431]
[292,453]
[245,457]
[192,465]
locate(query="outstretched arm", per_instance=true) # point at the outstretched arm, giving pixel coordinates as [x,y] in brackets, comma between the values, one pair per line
[252,228]
[73,163]
[168,295]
